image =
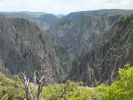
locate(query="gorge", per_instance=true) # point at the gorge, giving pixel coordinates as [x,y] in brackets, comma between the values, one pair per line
[87,46]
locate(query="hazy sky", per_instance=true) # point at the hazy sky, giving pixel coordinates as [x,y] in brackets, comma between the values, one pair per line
[63,6]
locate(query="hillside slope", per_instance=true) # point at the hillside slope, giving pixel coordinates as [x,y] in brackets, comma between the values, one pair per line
[25,47]
[79,30]
[78,33]
[102,63]
[49,19]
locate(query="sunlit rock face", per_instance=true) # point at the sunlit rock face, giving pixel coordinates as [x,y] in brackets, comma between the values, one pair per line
[102,63]
[25,47]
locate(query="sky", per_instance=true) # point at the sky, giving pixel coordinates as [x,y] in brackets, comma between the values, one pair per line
[63,6]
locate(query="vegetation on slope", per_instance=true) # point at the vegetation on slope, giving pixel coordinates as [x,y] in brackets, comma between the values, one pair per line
[114,50]
[121,89]
[9,89]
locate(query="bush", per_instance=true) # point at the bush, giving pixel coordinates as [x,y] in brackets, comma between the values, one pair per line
[121,89]
[9,89]
[68,91]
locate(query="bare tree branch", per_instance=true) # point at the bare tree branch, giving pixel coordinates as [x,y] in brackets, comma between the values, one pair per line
[25,82]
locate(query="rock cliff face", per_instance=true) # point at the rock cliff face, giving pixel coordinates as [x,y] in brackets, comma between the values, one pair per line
[83,46]
[77,31]
[100,65]
[25,47]
[84,36]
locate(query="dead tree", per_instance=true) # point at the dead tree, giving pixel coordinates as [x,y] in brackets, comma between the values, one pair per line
[40,78]
[45,76]
[29,95]
[39,81]
[40,86]
[26,88]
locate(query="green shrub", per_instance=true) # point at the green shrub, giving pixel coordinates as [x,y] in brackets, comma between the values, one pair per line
[121,89]
[9,89]
[68,91]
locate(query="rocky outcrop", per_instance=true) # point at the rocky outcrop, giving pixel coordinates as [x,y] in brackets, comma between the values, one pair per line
[77,31]
[84,36]
[25,47]
[102,63]
[83,46]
